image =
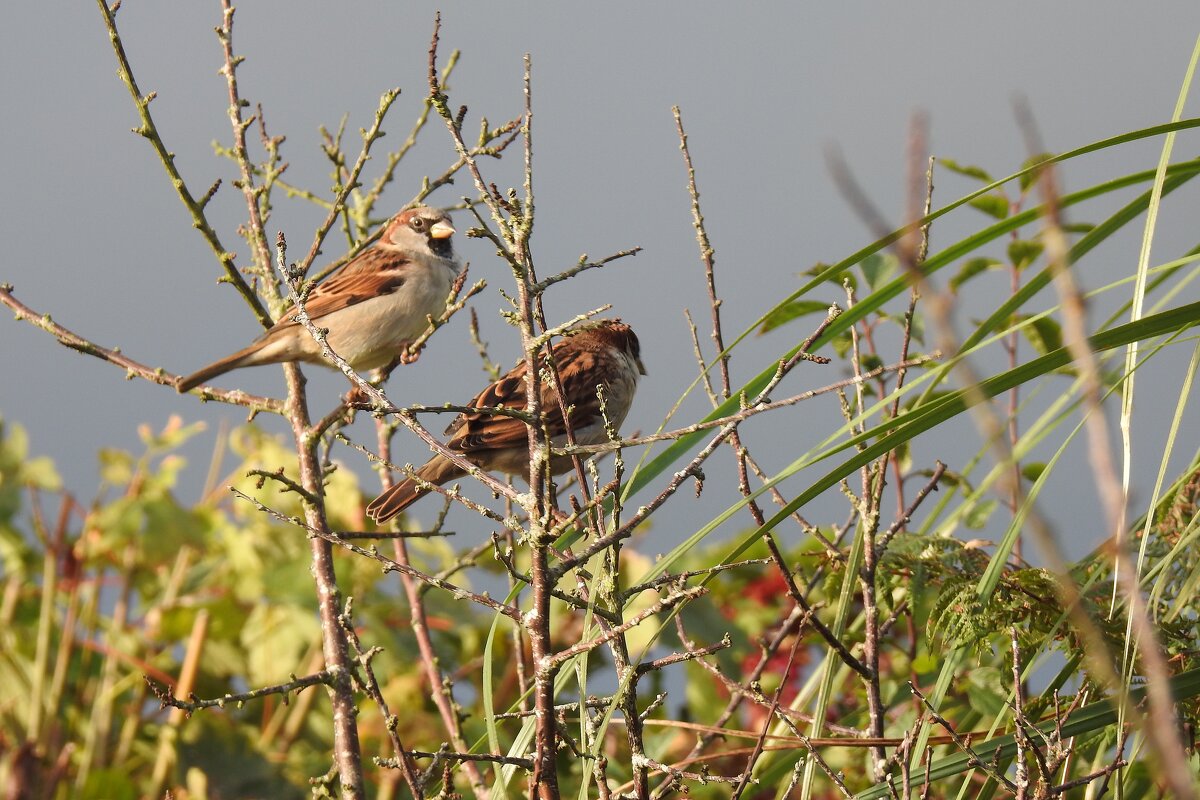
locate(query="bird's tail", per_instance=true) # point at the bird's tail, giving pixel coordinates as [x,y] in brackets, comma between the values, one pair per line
[437,471]
[239,359]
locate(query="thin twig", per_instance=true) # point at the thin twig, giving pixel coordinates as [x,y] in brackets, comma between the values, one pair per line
[752,409]
[670,601]
[167,699]
[371,685]
[149,131]
[962,743]
[457,592]
[132,368]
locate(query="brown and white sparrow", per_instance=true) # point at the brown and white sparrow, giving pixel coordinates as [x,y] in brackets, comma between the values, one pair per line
[372,305]
[605,353]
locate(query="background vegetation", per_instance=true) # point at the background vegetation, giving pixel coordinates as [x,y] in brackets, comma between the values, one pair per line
[222,650]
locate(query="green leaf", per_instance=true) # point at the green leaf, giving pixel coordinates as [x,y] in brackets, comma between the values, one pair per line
[912,402]
[1099,234]
[994,205]
[1031,472]
[930,415]
[110,783]
[819,271]
[794,310]
[971,268]
[276,637]
[986,693]
[980,513]
[173,434]
[223,761]
[40,473]
[841,345]
[950,478]
[116,466]
[1023,252]
[926,663]
[966,170]
[1027,179]
[1044,333]
[916,328]
[14,444]
[1109,377]
[879,267]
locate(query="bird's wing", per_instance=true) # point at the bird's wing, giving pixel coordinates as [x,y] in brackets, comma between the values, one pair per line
[476,432]
[370,274]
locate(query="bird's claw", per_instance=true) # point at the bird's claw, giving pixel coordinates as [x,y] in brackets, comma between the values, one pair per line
[356,398]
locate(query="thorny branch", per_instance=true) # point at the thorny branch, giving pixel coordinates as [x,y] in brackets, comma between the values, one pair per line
[389,565]
[167,699]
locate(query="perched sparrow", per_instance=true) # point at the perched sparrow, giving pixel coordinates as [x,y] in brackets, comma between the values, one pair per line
[372,306]
[600,354]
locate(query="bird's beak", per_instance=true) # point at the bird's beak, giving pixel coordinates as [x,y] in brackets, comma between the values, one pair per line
[441,230]
[641,366]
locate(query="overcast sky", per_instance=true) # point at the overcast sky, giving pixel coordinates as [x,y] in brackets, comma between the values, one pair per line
[98,238]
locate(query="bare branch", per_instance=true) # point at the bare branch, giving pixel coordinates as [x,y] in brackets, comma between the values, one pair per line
[193,703]
[132,368]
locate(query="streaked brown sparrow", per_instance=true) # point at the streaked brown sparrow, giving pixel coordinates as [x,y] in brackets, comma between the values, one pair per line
[372,306]
[604,353]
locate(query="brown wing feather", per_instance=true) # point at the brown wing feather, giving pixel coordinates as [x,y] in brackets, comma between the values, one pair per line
[372,273]
[579,387]
[480,432]
[475,433]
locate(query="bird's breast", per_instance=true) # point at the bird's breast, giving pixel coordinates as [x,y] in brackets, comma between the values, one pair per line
[371,333]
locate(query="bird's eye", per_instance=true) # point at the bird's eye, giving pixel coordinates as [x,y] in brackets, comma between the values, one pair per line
[418,224]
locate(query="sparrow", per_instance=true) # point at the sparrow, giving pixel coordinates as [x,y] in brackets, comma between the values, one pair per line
[372,305]
[602,353]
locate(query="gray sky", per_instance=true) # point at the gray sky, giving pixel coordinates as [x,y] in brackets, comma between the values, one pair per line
[98,238]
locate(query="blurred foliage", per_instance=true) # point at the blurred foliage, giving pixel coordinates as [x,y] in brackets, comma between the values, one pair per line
[95,596]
